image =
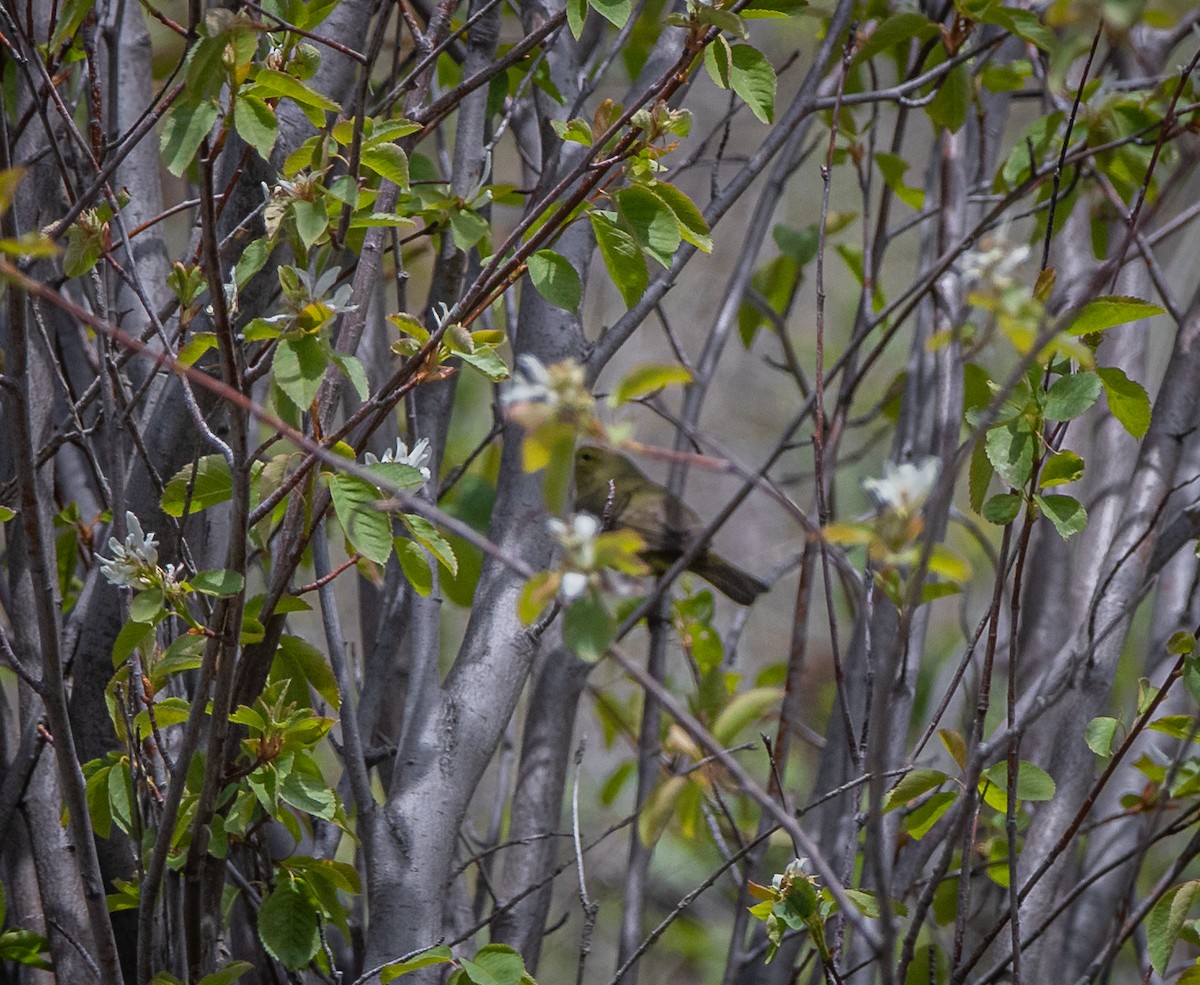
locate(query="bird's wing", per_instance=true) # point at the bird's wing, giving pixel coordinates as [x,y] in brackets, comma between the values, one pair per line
[663,529]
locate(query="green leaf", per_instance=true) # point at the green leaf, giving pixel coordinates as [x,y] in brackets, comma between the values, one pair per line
[195,347]
[745,708]
[1098,734]
[435,955]
[211,485]
[255,121]
[1010,450]
[220,582]
[1127,400]
[588,629]
[312,220]
[913,785]
[924,816]
[188,123]
[6,514]
[1033,783]
[1002,509]
[753,78]
[892,31]
[287,925]
[1066,513]
[616,12]
[893,168]
[1108,312]
[622,258]
[388,161]
[1071,396]
[146,606]
[429,537]
[227,975]
[950,106]
[415,565]
[555,279]
[486,362]
[500,963]
[133,634]
[718,62]
[276,83]
[97,801]
[980,475]
[646,379]
[576,15]
[654,226]
[308,794]
[369,530]
[577,131]
[300,660]
[1165,923]
[299,368]
[1023,23]
[692,225]
[1060,468]
[1181,642]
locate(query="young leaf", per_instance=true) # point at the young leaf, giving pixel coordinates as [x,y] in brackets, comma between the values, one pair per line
[1127,400]
[646,379]
[1066,513]
[188,123]
[287,925]
[1071,396]
[588,629]
[415,565]
[555,279]
[913,785]
[622,258]
[1108,312]
[255,122]
[753,78]
[369,530]
[299,368]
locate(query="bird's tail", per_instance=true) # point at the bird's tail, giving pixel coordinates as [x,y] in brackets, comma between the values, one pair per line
[740,586]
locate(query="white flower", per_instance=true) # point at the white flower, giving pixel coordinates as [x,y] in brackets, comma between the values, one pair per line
[530,382]
[578,539]
[573,584]
[416,458]
[794,870]
[904,488]
[134,564]
[994,264]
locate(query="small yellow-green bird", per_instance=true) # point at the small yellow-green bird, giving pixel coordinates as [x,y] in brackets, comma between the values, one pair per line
[613,488]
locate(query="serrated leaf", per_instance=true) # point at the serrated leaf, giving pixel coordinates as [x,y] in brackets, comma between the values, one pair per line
[646,379]
[212,485]
[188,123]
[415,565]
[146,606]
[388,161]
[1108,312]
[255,121]
[622,258]
[1010,450]
[555,279]
[287,925]
[1065,512]
[576,15]
[692,225]
[1165,923]
[718,61]
[752,77]
[980,476]
[278,83]
[429,537]
[1070,396]
[653,225]
[312,221]
[227,975]
[369,530]
[1127,400]
[298,368]
[133,634]
[304,661]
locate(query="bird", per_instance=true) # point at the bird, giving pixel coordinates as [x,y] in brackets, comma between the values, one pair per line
[611,487]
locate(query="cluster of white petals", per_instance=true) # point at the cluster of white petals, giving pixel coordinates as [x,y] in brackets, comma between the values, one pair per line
[904,487]
[418,458]
[134,564]
[578,540]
